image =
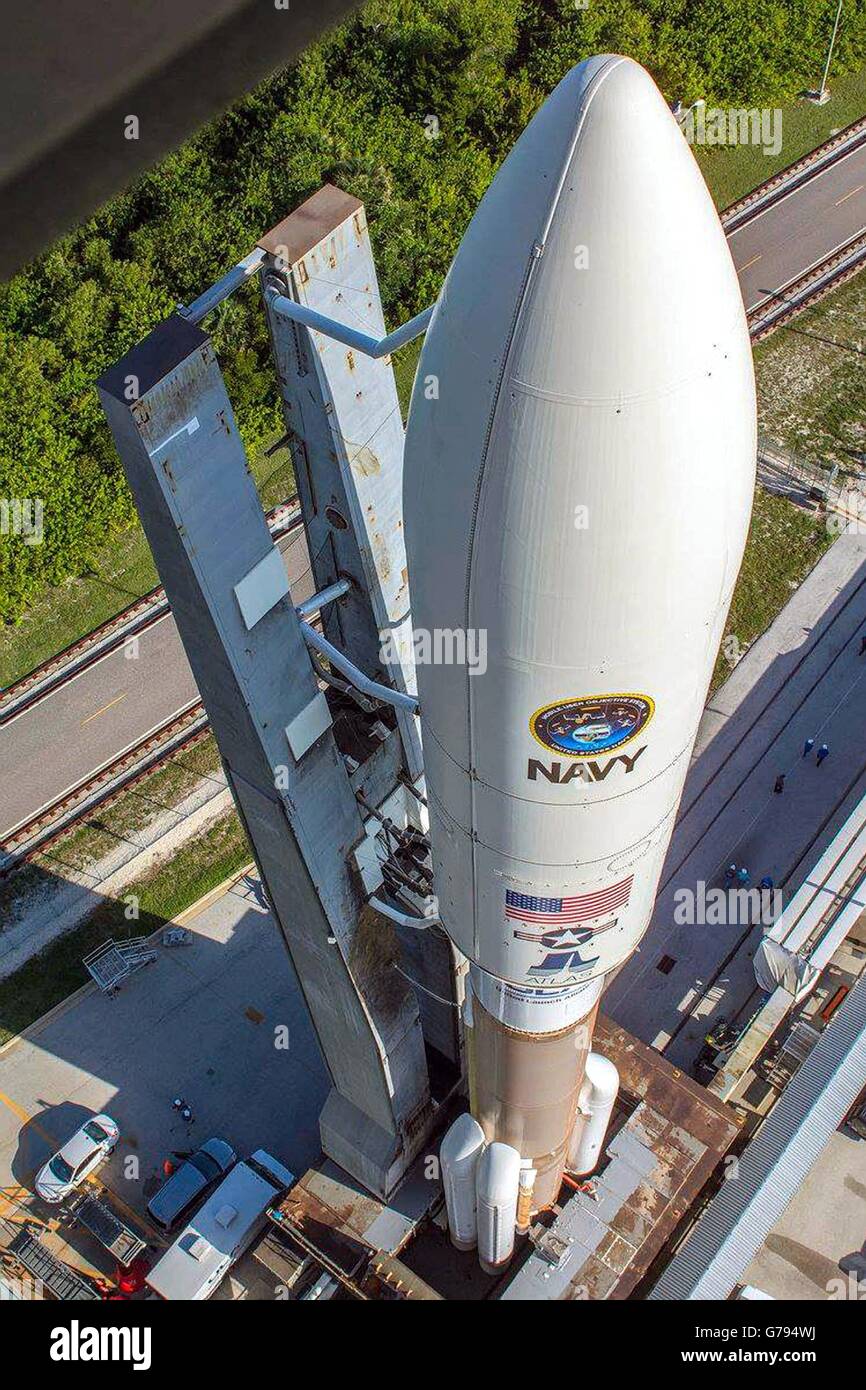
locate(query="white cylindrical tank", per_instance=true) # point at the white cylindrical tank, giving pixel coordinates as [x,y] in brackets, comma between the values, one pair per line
[595,1107]
[579,472]
[459,1153]
[498,1182]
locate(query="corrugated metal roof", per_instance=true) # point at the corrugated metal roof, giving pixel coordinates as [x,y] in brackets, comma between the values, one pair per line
[774,1164]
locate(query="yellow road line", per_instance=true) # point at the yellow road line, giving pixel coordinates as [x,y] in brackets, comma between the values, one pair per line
[16,1109]
[21,1114]
[751,262]
[858,189]
[11,1200]
[109,706]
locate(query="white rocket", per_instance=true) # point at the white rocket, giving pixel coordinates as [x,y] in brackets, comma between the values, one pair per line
[579,469]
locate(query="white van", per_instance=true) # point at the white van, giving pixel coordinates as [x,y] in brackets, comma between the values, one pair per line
[221,1230]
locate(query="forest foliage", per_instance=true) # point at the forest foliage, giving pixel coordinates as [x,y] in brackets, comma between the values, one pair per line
[353,111]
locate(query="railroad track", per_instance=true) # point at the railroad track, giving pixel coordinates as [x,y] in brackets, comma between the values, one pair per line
[189,726]
[182,731]
[779,185]
[37,834]
[801,294]
[130,622]
[838,266]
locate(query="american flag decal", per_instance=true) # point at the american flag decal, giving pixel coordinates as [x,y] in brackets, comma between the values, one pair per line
[550,912]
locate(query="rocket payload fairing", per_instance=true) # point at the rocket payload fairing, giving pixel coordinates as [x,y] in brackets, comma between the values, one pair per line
[579,469]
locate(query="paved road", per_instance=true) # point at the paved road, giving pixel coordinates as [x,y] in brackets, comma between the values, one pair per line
[204,1021]
[86,725]
[108,708]
[803,679]
[781,244]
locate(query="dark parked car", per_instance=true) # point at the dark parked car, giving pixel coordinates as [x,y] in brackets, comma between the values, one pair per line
[192,1181]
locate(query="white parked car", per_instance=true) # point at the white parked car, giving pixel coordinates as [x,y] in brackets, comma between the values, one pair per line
[87,1148]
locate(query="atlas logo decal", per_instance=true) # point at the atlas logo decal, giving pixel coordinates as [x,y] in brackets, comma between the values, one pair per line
[591,724]
[561,928]
[591,771]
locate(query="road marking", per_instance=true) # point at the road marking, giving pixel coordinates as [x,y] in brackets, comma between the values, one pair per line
[809,182]
[12,1200]
[777,293]
[741,268]
[21,1114]
[858,189]
[110,705]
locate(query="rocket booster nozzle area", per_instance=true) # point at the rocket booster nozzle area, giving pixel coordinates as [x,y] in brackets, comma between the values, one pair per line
[524,1086]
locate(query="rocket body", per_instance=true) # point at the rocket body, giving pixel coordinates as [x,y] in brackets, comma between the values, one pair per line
[579,470]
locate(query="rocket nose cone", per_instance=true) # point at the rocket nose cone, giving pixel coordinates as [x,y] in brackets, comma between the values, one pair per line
[596,262]
[633,250]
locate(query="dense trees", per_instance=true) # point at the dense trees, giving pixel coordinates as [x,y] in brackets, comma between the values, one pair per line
[410,106]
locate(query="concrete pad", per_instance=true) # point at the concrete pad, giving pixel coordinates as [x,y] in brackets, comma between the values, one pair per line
[803,678]
[200,1023]
[818,1248]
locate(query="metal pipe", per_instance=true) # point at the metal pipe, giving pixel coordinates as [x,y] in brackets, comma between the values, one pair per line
[224,287]
[361,342]
[353,673]
[316,602]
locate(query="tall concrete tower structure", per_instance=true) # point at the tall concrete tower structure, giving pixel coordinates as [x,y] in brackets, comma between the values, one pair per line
[308,757]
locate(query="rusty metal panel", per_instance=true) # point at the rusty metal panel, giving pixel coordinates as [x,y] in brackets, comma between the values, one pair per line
[310,224]
[658,1163]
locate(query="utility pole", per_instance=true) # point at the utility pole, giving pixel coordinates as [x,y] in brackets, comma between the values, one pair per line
[822,96]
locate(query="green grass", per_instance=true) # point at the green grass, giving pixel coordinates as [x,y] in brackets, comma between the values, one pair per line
[404,362]
[163,892]
[811,380]
[123,572]
[732,171]
[784,544]
[162,790]
[96,836]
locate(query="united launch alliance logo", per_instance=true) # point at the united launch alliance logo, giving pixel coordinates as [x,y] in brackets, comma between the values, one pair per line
[593,724]
[562,928]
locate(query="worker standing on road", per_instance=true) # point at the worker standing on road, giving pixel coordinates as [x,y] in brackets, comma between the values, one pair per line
[808,746]
[823,752]
[731,871]
[779,784]
[743,876]
[863,644]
